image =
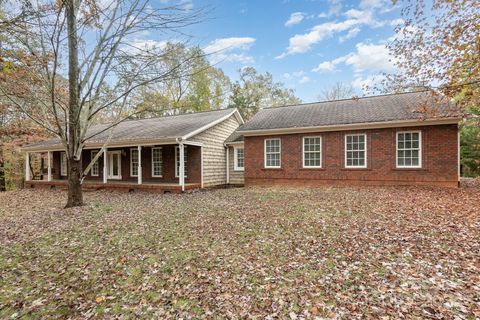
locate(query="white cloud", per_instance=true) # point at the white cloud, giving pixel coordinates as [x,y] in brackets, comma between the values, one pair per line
[325,67]
[230,50]
[367,57]
[367,83]
[352,33]
[304,79]
[335,9]
[349,27]
[295,18]
[301,43]
[370,57]
[299,76]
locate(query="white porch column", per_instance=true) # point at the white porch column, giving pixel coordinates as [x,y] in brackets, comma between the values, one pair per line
[181,166]
[49,166]
[105,173]
[139,164]
[27,166]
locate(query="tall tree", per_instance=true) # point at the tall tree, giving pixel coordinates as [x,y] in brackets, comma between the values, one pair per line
[196,86]
[89,44]
[438,46]
[254,91]
[338,91]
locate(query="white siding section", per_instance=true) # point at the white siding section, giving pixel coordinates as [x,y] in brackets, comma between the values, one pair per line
[214,153]
[236,177]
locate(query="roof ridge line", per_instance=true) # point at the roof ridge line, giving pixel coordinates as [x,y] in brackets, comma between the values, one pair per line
[169,116]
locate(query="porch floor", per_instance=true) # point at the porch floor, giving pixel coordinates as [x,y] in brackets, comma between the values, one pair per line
[160,187]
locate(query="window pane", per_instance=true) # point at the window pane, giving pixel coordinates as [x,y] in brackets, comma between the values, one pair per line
[408,149]
[355,150]
[157,161]
[311,151]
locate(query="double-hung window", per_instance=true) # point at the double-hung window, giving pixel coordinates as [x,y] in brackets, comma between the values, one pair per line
[312,152]
[356,151]
[273,153]
[238,159]
[134,162]
[177,161]
[94,170]
[157,162]
[63,164]
[409,149]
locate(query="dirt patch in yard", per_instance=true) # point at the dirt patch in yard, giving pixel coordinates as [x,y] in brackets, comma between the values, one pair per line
[243,253]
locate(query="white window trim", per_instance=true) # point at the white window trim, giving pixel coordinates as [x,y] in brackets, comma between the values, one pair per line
[177,149]
[419,150]
[235,157]
[303,153]
[63,168]
[366,150]
[93,153]
[131,162]
[153,171]
[265,153]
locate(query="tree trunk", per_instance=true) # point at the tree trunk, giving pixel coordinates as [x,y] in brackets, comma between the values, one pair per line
[3,184]
[75,195]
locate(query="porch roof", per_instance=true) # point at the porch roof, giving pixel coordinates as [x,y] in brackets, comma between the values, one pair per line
[146,131]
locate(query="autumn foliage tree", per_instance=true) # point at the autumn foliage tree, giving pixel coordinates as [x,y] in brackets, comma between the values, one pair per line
[254,91]
[438,47]
[68,61]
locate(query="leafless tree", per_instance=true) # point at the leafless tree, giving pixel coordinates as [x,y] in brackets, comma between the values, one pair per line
[336,92]
[70,60]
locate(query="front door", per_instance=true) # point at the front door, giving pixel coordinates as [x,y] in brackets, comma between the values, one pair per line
[114,165]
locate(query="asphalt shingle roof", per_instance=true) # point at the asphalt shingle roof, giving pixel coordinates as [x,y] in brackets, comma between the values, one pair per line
[169,127]
[394,107]
[235,137]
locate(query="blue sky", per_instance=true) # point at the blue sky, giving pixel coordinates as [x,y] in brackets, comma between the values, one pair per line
[307,44]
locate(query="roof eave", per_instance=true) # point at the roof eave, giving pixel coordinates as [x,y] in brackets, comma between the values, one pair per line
[353,126]
[116,144]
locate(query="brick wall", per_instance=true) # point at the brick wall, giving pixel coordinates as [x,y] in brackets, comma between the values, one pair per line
[439,159]
[193,165]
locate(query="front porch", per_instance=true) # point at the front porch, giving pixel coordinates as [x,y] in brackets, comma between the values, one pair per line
[155,168]
[160,187]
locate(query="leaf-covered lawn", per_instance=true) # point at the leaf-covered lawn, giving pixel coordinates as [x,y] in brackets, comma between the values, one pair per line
[243,253]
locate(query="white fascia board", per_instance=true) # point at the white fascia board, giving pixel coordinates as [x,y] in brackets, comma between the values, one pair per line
[354,126]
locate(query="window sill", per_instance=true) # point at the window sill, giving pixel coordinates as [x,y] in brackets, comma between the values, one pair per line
[312,169]
[154,177]
[274,169]
[409,169]
[356,169]
[239,170]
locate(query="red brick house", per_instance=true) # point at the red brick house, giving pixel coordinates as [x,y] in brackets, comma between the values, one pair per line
[145,154]
[379,140]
